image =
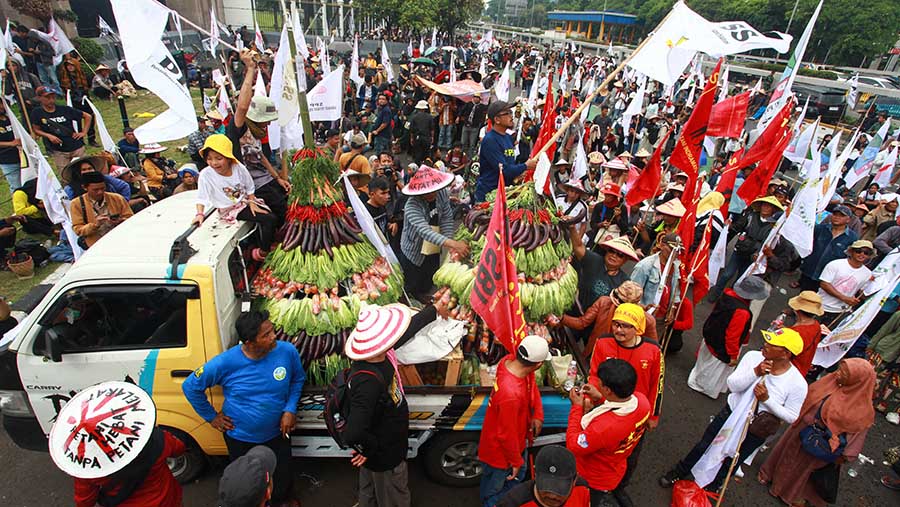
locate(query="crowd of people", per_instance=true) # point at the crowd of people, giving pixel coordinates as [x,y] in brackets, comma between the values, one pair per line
[419,160]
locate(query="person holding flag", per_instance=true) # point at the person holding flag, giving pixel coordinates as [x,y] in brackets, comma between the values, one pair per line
[498,151]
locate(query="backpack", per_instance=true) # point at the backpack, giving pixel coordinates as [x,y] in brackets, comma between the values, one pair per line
[337,403]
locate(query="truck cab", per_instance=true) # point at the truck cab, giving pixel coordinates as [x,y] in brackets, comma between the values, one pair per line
[152,301]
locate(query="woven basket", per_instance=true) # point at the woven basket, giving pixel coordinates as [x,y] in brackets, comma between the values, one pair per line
[23,269]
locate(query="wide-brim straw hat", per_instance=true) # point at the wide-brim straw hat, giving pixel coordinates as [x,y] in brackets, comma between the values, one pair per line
[214,114]
[807,301]
[672,207]
[427,180]
[678,187]
[623,246]
[575,185]
[97,162]
[422,105]
[377,330]
[153,148]
[626,154]
[641,153]
[595,157]
[81,451]
[769,199]
[615,164]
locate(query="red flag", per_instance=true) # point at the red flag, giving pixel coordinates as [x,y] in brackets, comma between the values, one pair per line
[755,184]
[776,129]
[725,185]
[727,117]
[699,273]
[548,124]
[646,186]
[495,296]
[686,155]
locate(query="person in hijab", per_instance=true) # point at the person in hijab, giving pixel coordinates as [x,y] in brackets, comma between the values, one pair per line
[841,401]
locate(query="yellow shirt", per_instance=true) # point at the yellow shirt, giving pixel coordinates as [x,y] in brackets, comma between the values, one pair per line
[21,206]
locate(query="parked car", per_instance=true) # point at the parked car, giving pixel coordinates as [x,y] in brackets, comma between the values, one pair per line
[829,103]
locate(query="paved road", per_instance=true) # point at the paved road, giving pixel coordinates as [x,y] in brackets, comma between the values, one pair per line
[33,480]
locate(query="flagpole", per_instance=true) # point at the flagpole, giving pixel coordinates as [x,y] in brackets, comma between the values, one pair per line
[609,78]
[21,100]
[734,460]
[195,25]
[308,139]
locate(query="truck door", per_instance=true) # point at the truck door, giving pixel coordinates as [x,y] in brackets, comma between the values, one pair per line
[130,332]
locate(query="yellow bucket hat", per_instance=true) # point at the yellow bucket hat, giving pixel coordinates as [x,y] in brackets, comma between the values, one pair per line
[630,313]
[769,199]
[220,144]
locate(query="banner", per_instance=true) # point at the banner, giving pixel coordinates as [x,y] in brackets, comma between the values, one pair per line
[883,273]
[728,440]
[141,27]
[495,296]
[728,116]
[327,97]
[463,89]
[105,29]
[671,47]
[841,339]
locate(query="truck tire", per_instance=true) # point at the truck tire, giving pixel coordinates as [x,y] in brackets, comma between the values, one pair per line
[451,459]
[189,465]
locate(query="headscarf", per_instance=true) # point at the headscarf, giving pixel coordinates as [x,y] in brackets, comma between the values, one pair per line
[849,408]
[712,200]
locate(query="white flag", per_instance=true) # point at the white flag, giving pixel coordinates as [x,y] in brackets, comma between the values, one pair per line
[207,103]
[327,97]
[801,219]
[434,37]
[367,224]
[717,256]
[486,42]
[482,68]
[453,67]
[287,132]
[781,93]
[841,339]
[354,64]
[141,27]
[386,61]
[501,87]
[829,180]
[564,78]
[105,29]
[259,87]
[580,164]
[535,84]
[853,93]
[883,273]
[409,49]
[542,173]
[634,107]
[299,35]
[213,32]
[223,104]
[422,46]
[723,85]
[323,55]
[757,88]
[57,39]
[727,440]
[884,173]
[49,191]
[7,39]
[669,50]
[798,150]
[609,50]
[866,159]
[258,39]
[105,139]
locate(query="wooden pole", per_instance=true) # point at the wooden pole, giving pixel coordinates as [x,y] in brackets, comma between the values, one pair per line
[21,100]
[587,100]
[735,459]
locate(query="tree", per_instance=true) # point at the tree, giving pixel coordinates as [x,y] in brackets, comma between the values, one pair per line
[451,14]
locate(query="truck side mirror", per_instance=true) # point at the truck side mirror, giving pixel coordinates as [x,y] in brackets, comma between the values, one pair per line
[52,346]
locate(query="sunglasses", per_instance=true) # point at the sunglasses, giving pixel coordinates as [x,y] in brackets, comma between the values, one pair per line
[865,251]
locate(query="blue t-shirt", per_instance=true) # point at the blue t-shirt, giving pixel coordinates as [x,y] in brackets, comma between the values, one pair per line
[257,393]
[496,149]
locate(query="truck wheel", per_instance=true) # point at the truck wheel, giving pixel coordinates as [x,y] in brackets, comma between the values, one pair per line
[189,465]
[452,459]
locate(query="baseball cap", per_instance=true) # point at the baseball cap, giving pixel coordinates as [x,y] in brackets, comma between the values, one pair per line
[495,108]
[358,140]
[554,470]
[843,210]
[785,337]
[245,480]
[534,348]
[46,90]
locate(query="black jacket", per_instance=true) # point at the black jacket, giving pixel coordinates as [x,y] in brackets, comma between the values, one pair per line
[378,422]
[477,119]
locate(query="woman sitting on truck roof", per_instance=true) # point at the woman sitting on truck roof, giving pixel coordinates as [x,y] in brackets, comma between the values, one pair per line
[225,184]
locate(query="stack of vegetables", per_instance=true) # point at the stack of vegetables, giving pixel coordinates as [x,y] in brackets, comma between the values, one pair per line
[547,281]
[323,270]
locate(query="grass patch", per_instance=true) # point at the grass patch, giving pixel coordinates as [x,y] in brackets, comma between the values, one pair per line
[144,102]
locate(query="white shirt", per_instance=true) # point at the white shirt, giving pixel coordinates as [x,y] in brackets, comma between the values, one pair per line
[869,197]
[786,391]
[845,279]
[219,191]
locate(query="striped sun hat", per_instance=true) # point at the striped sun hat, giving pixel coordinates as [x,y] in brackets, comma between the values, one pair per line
[378,329]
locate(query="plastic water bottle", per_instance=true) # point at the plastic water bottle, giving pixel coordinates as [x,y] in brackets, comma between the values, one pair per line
[571,375]
[778,323]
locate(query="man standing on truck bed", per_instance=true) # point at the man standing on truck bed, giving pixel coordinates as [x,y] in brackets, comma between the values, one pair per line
[261,380]
[378,420]
[514,417]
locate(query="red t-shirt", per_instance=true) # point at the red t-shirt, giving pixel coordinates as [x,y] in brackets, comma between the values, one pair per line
[601,449]
[507,423]
[522,495]
[646,358]
[811,334]
[159,489]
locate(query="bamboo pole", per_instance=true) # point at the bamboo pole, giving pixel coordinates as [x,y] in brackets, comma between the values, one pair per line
[308,139]
[22,104]
[587,101]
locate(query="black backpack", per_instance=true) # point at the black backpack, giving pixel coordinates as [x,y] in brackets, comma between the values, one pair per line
[337,403]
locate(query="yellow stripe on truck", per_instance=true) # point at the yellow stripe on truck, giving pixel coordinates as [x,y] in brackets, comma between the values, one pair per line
[474,405]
